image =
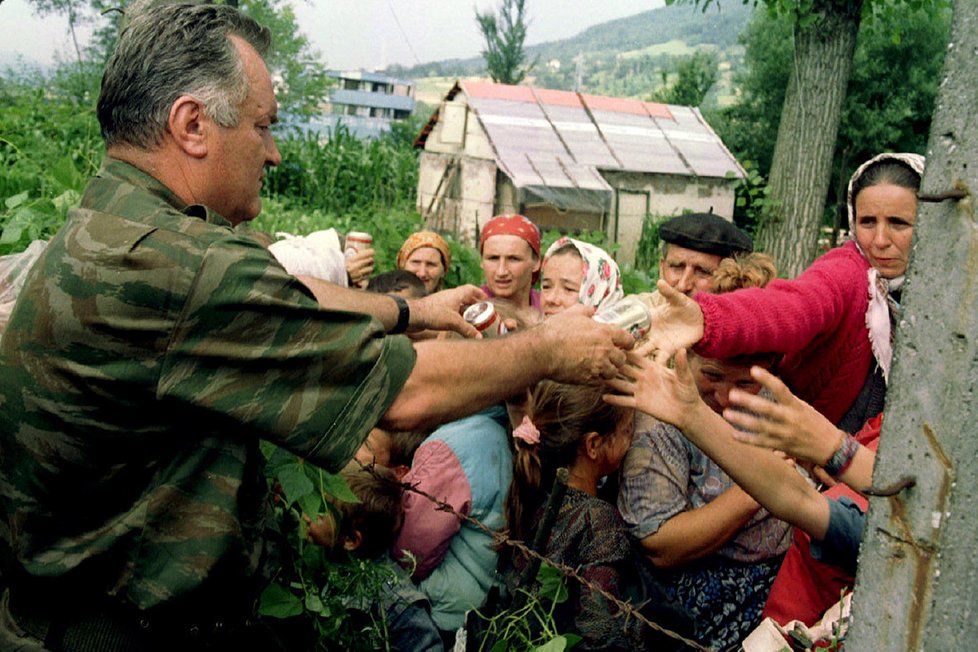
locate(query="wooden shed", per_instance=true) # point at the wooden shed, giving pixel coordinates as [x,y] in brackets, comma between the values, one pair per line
[570,161]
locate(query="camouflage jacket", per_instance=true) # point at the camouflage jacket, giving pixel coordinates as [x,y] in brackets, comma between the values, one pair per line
[151,348]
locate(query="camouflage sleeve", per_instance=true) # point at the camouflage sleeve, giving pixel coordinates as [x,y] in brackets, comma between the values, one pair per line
[253,346]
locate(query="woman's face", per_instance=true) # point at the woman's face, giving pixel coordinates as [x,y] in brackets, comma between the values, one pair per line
[560,284]
[715,378]
[885,215]
[425,263]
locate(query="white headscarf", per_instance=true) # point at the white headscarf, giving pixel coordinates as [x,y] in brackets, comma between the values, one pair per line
[600,277]
[880,302]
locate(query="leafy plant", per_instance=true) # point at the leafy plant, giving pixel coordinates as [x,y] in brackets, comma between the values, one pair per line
[530,626]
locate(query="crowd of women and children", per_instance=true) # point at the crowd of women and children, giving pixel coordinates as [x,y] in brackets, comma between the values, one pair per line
[708,473]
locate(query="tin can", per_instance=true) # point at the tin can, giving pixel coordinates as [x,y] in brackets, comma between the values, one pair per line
[629,313]
[486,320]
[358,241]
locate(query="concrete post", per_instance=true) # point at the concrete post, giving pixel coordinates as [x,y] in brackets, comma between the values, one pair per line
[917,585]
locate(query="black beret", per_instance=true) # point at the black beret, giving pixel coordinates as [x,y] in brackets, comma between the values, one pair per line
[706,232]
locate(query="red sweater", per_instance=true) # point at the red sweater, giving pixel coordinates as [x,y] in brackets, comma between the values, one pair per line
[817,320]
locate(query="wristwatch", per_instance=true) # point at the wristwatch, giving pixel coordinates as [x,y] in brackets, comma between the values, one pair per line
[403,315]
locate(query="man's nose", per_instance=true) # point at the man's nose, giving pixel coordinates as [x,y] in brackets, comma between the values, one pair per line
[272,156]
[685,284]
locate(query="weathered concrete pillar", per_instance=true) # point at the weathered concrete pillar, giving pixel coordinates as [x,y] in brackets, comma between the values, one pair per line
[917,586]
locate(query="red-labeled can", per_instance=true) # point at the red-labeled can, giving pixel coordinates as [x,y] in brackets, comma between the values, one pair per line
[358,241]
[486,320]
[629,313]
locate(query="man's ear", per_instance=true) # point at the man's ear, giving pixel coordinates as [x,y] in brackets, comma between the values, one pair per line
[188,126]
[352,541]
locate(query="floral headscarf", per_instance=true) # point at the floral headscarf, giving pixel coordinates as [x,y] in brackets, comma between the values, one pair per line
[882,307]
[600,280]
[424,239]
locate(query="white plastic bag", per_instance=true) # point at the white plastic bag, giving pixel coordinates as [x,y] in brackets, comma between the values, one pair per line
[318,255]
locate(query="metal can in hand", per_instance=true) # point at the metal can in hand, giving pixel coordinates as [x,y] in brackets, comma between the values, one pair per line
[358,241]
[629,313]
[486,320]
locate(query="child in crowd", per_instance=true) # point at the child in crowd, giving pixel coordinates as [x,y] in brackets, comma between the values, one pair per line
[400,282]
[366,530]
[570,426]
[394,450]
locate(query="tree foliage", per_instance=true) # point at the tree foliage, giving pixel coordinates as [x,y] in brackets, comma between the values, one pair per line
[695,76]
[505,33]
[824,38]
[889,99]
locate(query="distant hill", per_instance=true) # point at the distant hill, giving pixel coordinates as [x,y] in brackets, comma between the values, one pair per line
[623,57]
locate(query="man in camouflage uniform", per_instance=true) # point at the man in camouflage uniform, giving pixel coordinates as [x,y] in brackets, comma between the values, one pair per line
[154,345]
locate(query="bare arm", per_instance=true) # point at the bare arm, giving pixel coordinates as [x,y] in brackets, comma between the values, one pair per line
[439,311]
[453,378]
[789,424]
[698,532]
[671,396]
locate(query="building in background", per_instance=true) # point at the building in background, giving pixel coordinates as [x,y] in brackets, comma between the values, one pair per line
[364,102]
[566,160]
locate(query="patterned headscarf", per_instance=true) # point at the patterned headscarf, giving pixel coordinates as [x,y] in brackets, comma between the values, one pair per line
[882,306]
[600,280]
[513,225]
[424,239]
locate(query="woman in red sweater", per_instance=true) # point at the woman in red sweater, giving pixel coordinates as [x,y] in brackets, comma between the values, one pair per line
[833,323]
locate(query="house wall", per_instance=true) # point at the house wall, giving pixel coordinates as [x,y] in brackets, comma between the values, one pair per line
[468,193]
[668,196]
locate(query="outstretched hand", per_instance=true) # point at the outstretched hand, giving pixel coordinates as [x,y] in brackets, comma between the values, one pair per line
[677,323]
[666,394]
[787,423]
[442,311]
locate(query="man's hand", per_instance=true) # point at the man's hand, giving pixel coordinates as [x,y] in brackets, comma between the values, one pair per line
[580,349]
[787,423]
[442,311]
[359,267]
[666,394]
[677,323]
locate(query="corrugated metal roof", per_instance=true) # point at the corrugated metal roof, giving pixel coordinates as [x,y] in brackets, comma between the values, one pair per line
[560,138]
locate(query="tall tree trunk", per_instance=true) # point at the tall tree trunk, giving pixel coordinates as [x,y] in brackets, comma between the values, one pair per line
[802,164]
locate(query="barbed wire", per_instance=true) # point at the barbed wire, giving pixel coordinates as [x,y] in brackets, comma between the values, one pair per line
[625,608]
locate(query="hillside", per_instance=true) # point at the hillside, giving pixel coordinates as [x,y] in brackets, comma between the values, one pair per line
[623,57]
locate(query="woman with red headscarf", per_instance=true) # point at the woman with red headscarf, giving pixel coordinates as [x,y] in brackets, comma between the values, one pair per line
[510,250]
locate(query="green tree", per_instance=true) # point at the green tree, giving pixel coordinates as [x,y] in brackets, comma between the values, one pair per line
[505,33]
[824,34]
[695,76]
[889,99]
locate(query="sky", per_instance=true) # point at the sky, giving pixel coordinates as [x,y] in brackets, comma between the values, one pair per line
[367,34]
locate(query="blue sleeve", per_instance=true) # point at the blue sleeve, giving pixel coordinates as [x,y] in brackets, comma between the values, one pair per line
[841,543]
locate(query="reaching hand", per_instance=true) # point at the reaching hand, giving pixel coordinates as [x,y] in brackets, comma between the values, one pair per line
[359,267]
[677,323]
[787,423]
[580,349]
[443,310]
[666,394]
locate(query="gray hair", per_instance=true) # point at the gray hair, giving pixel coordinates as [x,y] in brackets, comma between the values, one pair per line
[170,50]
